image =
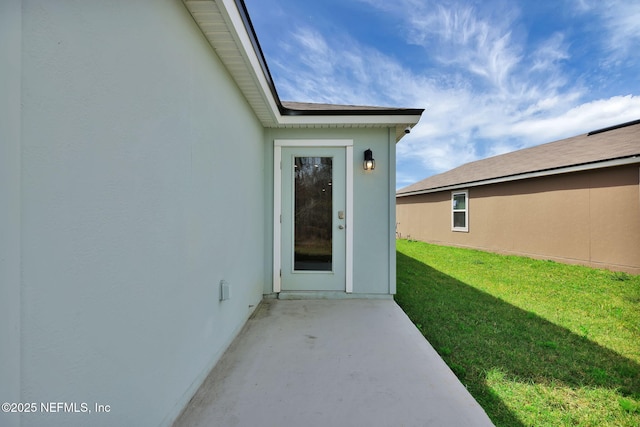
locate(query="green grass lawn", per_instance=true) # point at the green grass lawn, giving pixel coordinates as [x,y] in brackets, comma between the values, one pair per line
[537,343]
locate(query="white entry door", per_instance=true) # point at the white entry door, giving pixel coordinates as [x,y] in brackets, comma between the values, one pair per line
[314,218]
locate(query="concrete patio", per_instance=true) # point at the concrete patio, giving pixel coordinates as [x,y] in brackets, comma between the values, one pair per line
[331,363]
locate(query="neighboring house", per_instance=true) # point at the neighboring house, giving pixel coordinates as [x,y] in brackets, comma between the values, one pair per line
[150,179]
[574,201]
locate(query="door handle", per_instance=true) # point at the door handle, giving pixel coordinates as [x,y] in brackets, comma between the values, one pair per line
[341,227]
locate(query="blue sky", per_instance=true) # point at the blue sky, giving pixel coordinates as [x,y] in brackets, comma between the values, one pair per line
[493,75]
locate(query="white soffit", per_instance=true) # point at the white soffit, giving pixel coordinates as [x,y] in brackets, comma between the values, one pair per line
[223,27]
[218,21]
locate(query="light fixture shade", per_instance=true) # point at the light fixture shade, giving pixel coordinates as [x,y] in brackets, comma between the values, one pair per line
[369,162]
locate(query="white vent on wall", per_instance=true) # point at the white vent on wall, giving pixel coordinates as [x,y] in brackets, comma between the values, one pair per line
[224,290]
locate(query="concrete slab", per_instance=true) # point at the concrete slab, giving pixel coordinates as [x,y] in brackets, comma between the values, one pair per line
[331,363]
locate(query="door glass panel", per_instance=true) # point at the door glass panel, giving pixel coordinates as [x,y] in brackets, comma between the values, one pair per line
[313,209]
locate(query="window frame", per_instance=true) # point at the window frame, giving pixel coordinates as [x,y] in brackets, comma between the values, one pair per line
[464,229]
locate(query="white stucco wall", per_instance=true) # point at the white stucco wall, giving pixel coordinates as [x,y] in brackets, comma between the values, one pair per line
[142,170]
[10,41]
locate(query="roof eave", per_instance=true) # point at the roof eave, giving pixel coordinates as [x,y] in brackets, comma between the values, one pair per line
[238,40]
[534,174]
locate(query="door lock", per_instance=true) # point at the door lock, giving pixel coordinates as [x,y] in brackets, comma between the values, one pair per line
[340,214]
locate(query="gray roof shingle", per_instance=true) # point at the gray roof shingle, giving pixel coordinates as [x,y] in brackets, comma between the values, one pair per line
[617,142]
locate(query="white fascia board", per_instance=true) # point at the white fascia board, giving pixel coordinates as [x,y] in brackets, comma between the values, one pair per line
[551,172]
[390,119]
[228,7]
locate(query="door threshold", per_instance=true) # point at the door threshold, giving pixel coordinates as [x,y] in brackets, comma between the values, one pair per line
[302,295]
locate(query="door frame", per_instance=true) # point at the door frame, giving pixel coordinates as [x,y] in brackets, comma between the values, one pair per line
[347,144]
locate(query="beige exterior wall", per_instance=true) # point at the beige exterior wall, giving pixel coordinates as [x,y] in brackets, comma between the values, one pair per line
[590,218]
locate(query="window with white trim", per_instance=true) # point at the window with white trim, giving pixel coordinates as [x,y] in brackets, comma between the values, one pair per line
[460,210]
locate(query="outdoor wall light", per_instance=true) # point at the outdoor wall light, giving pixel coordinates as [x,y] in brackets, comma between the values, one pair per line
[369,162]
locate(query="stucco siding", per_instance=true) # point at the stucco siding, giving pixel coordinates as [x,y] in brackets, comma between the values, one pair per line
[141,190]
[615,212]
[590,218]
[372,223]
[537,217]
[10,206]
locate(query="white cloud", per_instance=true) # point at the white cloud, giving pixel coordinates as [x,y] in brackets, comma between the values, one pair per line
[619,19]
[461,35]
[316,54]
[439,153]
[623,20]
[580,119]
[584,5]
[547,55]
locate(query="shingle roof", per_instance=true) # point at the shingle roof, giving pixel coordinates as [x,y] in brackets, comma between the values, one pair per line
[617,142]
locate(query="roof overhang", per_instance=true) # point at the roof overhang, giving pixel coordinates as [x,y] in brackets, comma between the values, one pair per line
[536,174]
[228,29]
